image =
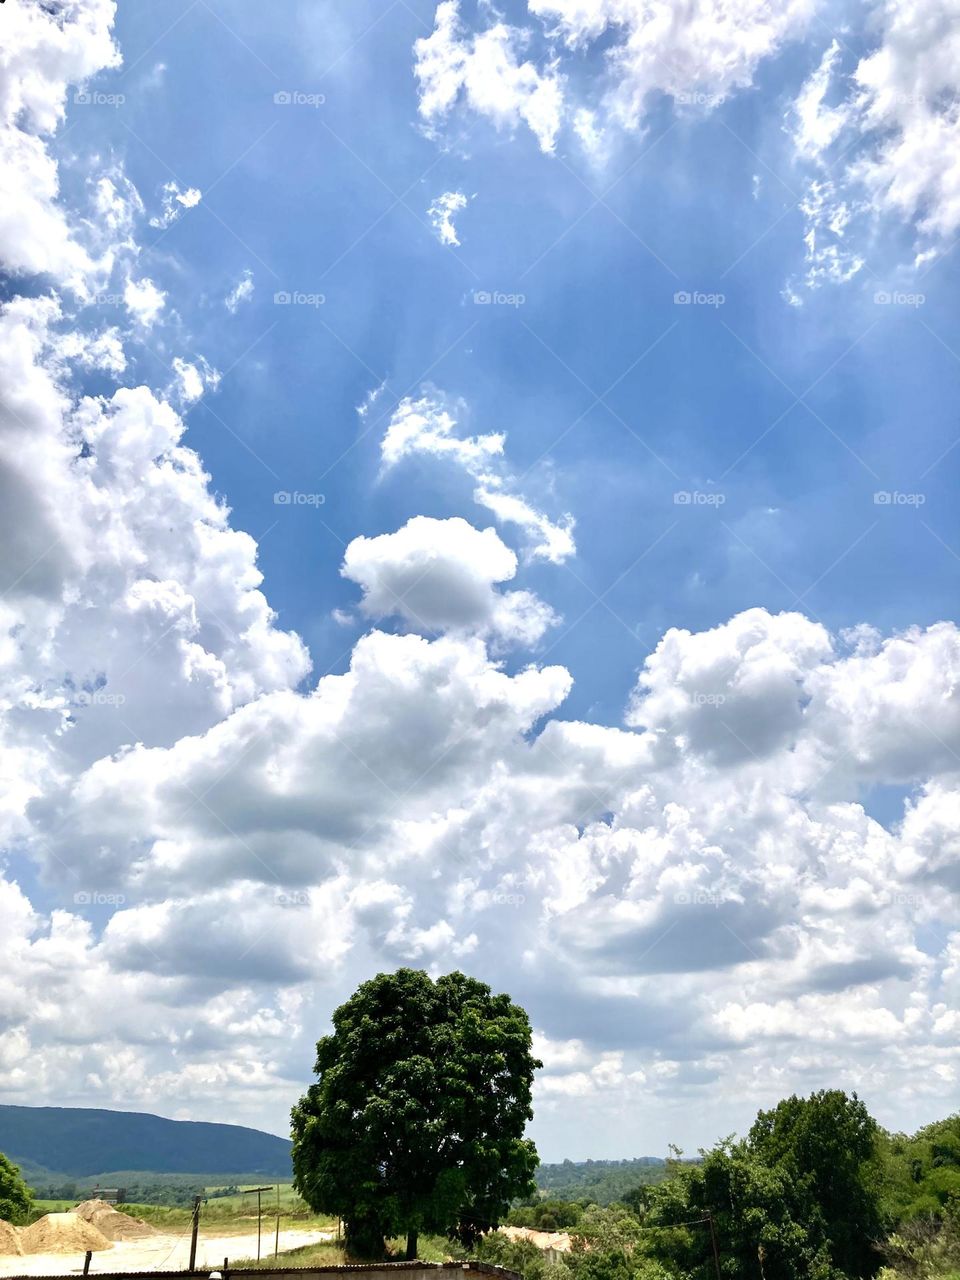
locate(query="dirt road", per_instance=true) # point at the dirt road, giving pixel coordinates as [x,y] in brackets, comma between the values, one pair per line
[158,1253]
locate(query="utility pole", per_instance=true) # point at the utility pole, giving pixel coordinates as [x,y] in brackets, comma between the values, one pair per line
[276,1238]
[259,1191]
[713,1241]
[197,1201]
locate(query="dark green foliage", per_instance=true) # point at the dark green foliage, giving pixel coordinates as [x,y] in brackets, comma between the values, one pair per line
[171,1189]
[599,1181]
[16,1200]
[797,1200]
[749,1203]
[827,1148]
[416,1121]
[521,1256]
[546,1215]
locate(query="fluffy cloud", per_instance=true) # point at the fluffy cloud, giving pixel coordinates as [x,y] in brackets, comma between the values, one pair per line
[486,72]
[635,50]
[110,528]
[427,428]
[871,133]
[40,59]
[440,575]
[697,55]
[889,141]
[193,378]
[173,203]
[144,301]
[442,212]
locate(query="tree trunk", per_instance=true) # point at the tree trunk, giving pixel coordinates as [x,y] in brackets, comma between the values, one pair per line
[412,1245]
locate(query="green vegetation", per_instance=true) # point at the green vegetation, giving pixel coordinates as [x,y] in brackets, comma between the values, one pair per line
[416,1121]
[816,1190]
[324,1254]
[548,1215]
[172,1189]
[599,1181]
[16,1199]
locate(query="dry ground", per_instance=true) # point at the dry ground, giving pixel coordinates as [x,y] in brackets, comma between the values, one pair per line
[160,1253]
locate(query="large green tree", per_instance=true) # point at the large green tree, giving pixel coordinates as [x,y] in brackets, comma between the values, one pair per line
[827,1147]
[798,1199]
[417,1118]
[16,1199]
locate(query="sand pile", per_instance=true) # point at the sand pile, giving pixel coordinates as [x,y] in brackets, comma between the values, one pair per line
[9,1238]
[114,1225]
[559,1240]
[62,1233]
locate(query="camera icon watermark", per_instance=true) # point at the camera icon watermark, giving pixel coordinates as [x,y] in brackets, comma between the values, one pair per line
[897,298]
[297,98]
[894,498]
[296,298]
[700,99]
[94,898]
[100,698]
[294,498]
[697,298]
[699,898]
[94,98]
[497,298]
[696,498]
[293,898]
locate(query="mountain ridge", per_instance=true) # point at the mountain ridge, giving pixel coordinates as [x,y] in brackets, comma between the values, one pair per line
[80,1141]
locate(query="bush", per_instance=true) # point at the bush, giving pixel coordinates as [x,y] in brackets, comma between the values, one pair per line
[16,1198]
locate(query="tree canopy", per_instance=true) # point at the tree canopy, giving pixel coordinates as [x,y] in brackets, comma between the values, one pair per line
[798,1199]
[417,1117]
[16,1199]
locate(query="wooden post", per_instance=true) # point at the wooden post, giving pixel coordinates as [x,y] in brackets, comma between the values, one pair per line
[276,1239]
[258,1224]
[86,1262]
[713,1241]
[193,1233]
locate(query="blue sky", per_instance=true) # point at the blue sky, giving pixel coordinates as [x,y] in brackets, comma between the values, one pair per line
[723,351]
[305,197]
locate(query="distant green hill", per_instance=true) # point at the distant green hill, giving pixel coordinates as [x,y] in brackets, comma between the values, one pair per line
[601,1181]
[78,1141]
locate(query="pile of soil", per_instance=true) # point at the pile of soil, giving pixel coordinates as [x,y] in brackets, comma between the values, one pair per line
[559,1240]
[9,1238]
[114,1225]
[62,1233]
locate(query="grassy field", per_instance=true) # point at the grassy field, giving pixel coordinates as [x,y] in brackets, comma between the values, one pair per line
[226,1215]
[290,1202]
[430,1249]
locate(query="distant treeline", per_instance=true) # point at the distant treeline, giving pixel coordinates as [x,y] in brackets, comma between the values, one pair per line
[599,1181]
[174,1190]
